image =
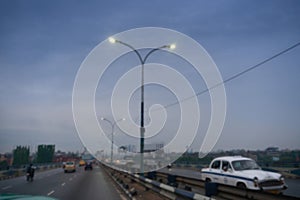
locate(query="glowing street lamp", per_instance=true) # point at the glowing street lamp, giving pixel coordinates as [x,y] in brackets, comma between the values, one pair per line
[112,135]
[111,40]
[143,61]
[173,46]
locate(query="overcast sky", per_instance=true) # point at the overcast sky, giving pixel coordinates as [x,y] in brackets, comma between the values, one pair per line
[43,43]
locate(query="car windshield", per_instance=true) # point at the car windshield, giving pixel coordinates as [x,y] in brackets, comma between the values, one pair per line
[70,163]
[244,165]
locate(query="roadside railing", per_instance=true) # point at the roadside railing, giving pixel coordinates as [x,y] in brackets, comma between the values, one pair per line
[290,170]
[134,184]
[181,187]
[217,190]
[13,172]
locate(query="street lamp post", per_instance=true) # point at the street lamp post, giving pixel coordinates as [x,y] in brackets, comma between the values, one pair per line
[143,61]
[112,135]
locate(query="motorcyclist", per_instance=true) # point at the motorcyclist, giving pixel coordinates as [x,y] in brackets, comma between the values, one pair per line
[30,172]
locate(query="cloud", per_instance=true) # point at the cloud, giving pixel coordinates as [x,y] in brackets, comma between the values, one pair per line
[43,45]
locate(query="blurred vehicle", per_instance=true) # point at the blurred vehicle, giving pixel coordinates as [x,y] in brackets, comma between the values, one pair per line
[30,172]
[63,165]
[88,165]
[29,177]
[70,166]
[243,173]
[81,163]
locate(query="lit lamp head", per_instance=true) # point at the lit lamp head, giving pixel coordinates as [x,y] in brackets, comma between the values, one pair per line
[112,40]
[172,46]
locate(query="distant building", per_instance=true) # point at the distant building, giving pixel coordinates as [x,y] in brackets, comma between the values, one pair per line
[2,157]
[60,156]
[86,155]
[153,147]
[272,151]
[128,148]
[147,148]
[251,155]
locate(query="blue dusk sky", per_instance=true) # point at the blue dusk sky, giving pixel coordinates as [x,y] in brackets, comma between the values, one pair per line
[43,43]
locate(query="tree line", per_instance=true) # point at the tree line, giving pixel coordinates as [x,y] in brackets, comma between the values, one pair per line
[21,155]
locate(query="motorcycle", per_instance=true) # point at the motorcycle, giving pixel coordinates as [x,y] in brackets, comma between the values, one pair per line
[29,177]
[30,174]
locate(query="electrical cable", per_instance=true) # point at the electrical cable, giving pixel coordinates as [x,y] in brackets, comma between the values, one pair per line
[234,76]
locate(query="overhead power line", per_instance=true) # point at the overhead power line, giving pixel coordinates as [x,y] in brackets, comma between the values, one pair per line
[236,75]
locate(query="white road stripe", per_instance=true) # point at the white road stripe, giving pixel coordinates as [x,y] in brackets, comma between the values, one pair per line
[4,188]
[70,179]
[50,193]
[63,184]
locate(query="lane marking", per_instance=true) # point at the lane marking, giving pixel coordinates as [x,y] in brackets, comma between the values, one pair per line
[63,184]
[70,179]
[4,188]
[50,193]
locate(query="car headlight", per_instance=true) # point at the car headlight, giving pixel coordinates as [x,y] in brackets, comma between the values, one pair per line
[281,179]
[255,180]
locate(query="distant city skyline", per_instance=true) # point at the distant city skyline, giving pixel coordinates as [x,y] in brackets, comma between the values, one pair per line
[44,43]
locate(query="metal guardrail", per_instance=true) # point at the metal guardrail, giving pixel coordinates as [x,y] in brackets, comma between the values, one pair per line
[223,191]
[167,191]
[181,187]
[293,173]
[12,173]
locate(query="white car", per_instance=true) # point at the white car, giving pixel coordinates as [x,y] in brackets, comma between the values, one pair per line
[243,173]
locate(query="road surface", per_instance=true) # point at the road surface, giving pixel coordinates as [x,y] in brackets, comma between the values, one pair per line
[64,186]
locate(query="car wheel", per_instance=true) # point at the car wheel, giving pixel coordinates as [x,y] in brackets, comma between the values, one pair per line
[241,186]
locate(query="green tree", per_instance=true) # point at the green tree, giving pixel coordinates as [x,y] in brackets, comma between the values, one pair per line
[20,156]
[3,165]
[45,153]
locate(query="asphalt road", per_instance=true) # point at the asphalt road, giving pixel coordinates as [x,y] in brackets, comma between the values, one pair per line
[65,186]
[293,184]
